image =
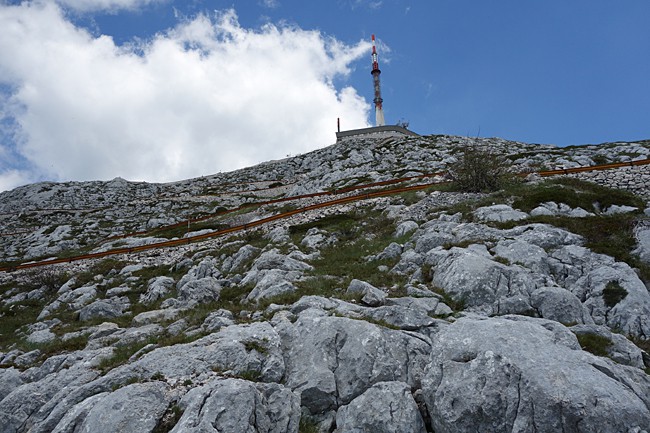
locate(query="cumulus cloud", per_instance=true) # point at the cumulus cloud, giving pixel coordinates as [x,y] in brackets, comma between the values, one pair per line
[271,4]
[106,5]
[205,96]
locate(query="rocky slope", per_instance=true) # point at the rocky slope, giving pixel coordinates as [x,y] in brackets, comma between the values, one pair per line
[524,310]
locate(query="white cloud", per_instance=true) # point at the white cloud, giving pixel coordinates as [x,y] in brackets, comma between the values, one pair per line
[206,96]
[10,179]
[271,4]
[106,5]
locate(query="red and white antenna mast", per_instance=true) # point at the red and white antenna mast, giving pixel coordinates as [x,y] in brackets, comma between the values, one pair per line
[379,111]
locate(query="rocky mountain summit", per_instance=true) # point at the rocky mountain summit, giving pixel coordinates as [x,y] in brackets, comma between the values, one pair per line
[375,296]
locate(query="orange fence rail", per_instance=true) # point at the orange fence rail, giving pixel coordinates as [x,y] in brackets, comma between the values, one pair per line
[338,201]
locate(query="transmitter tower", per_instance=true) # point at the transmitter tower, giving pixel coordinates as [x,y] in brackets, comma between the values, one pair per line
[379,111]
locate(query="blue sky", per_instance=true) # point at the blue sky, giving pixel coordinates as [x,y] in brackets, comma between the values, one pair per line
[552,72]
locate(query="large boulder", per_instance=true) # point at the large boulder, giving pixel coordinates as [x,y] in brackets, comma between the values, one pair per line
[387,407]
[590,276]
[471,276]
[273,259]
[332,360]
[104,309]
[238,261]
[270,283]
[239,406]
[200,291]
[556,303]
[367,293]
[238,349]
[523,253]
[157,288]
[9,380]
[499,213]
[205,269]
[643,244]
[28,403]
[136,408]
[519,374]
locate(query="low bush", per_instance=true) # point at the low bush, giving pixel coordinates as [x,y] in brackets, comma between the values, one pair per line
[594,343]
[613,293]
[479,169]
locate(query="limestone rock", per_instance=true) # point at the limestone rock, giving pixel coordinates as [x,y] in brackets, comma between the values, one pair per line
[431,305]
[386,407]
[157,288]
[314,238]
[155,316]
[239,406]
[588,275]
[9,380]
[499,213]
[369,294]
[136,407]
[556,303]
[554,209]
[217,320]
[616,209]
[392,251]
[472,277]
[42,336]
[521,374]
[244,256]
[104,309]
[524,253]
[273,259]
[643,244]
[332,360]
[238,348]
[404,228]
[199,291]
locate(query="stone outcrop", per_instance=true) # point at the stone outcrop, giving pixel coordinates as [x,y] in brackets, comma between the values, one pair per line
[452,324]
[520,374]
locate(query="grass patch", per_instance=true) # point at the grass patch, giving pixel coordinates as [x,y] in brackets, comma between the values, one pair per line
[169,419]
[341,223]
[58,346]
[594,343]
[182,230]
[307,425]
[250,375]
[103,267]
[610,235]
[359,235]
[254,345]
[573,192]
[15,316]
[121,354]
[380,322]
[455,304]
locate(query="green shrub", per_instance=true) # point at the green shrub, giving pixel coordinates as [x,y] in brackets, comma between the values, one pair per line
[307,425]
[170,418]
[254,345]
[573,192]
[120,355]
[613,293]
[594,343]
[250,375]
[478,170]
